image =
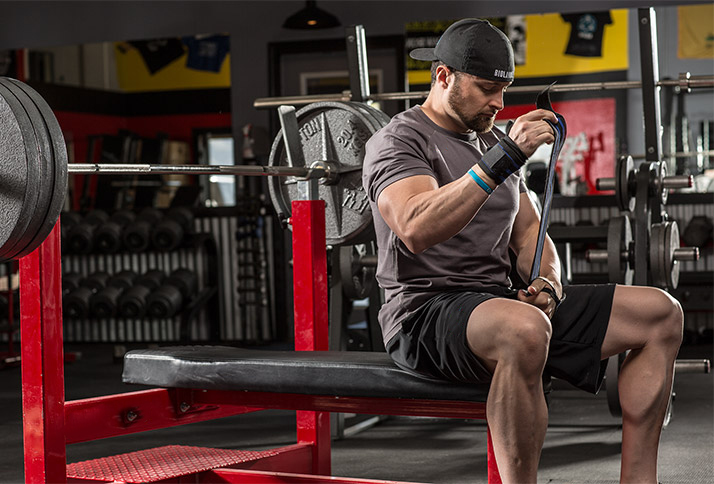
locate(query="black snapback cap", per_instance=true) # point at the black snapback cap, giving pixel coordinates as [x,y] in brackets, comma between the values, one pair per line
[473,46]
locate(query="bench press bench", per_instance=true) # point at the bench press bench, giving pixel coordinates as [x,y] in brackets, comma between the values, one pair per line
[323,381]
[201,383]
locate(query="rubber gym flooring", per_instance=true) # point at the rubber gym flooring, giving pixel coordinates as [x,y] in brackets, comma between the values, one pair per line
[582,443]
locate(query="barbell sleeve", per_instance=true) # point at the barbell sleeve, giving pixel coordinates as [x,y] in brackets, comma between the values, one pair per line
[692,366]
[601,255]
[686,253]
[368,261]
[605,184]
[678,181]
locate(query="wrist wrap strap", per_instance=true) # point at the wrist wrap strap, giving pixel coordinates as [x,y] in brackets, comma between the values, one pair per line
[502,159]
[560,132]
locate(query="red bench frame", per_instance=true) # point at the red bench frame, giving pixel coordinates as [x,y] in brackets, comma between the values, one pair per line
[50,423]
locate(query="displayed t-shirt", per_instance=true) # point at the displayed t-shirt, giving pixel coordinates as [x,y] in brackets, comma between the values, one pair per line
[207,53]
[586,33]
[158,53]
[477,257]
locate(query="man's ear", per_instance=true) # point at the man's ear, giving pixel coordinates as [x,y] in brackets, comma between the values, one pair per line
[442,76]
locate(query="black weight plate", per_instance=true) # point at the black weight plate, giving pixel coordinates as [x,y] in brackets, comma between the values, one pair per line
[59,163]
[357,279]
[619,237]
[18,237]
[13,176]
[46,177]
[656,255]
[383,117]
[625,168]
[346,129]
[671,265]
[661,174]
[364,108]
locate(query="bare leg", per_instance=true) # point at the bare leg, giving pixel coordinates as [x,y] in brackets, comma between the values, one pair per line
[649,322]
[511,338]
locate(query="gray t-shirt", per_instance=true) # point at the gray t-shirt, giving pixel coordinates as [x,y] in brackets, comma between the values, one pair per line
[477,257]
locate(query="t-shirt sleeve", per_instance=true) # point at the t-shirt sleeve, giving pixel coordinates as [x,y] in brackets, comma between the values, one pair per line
[522,188]
[389,158]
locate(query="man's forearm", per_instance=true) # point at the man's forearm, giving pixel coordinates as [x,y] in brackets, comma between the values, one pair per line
[550,263]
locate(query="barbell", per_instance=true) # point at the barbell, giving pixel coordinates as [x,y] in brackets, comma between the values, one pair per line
[35,168]
[685,82]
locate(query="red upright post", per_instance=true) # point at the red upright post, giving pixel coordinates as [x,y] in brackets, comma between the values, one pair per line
[311,317]
[42,362]
[494,477]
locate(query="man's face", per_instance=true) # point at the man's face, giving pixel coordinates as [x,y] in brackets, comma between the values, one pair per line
[476,101]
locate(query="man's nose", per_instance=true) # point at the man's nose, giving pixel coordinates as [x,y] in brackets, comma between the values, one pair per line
[496,101]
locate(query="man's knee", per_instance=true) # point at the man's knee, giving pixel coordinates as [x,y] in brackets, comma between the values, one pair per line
[668,319]
[524,339]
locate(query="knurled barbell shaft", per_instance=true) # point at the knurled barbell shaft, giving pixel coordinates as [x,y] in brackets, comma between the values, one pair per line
[238,170]
[685,83]
[672,181]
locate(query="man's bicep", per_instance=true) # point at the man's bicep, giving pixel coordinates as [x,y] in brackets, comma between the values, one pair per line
[394,200]
[525,226]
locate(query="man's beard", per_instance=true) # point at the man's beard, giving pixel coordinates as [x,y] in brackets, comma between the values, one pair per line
[478,122]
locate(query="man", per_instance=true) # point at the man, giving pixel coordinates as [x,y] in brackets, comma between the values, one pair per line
[448,203]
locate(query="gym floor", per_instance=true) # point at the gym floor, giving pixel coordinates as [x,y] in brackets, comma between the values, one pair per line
[582,444]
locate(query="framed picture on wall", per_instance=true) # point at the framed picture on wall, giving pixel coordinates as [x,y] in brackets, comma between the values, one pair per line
[330,82]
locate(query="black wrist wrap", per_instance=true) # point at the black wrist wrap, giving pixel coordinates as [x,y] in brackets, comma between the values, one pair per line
[502,159]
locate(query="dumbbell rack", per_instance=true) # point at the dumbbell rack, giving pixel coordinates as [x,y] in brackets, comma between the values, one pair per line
[9,357]
[198,253]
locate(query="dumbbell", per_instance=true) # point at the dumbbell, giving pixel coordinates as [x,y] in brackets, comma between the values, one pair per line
[170,297]
[76,303]
[137,236]
[699,231]
[5,308]
[132,304]
[68,220]
[169,233]
[108,236]
[664,253]
[80,238]
[70,282]
[624,183]
[103,303]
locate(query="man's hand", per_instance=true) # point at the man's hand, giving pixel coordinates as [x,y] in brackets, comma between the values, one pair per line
[530,131]
[538,294]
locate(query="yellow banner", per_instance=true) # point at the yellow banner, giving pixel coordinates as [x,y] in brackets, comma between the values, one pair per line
[696,31]
[135,75]
[549,38]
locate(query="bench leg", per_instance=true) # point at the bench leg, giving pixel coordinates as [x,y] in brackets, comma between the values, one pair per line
[493,475]
[42,362]
[314,428]
[311,315]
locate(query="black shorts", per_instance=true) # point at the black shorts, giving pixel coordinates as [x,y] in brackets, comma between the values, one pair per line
[432,340]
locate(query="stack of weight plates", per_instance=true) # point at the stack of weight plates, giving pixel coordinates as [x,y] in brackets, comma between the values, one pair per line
[33,172]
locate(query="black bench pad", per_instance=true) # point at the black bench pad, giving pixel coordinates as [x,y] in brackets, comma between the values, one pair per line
[339,373]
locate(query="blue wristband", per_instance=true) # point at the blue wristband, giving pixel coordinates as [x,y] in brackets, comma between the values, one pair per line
[480,182]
